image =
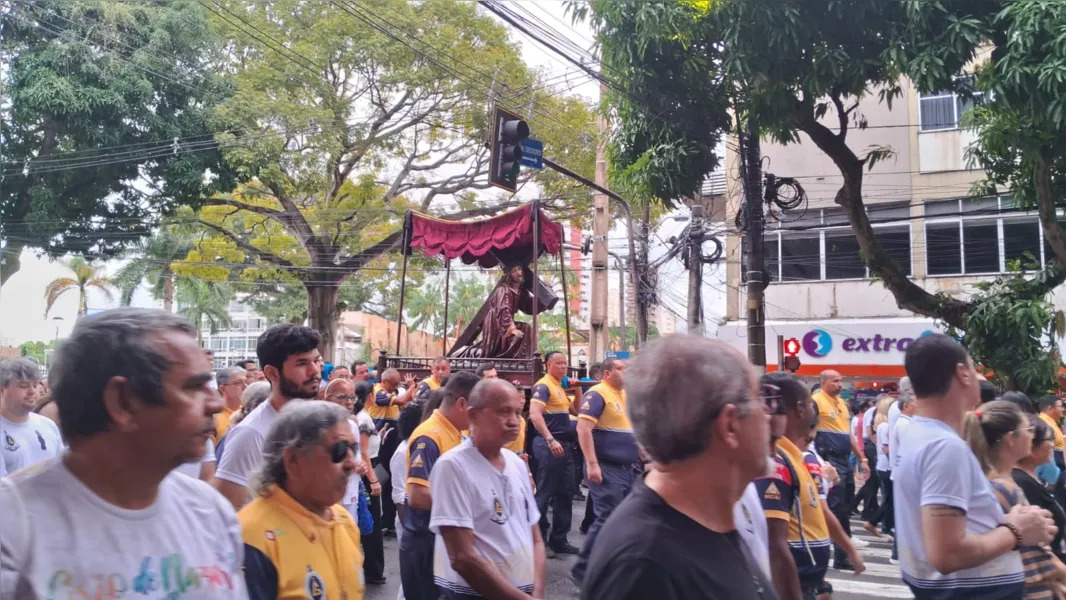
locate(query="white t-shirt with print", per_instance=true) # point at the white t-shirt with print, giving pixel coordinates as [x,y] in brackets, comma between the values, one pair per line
[351,494]
[883,463]
[895,445]
[23,444]
[244,446]
[61,540]
[398,481]
[751,525]
[940,469]
[192,469]
[470,493]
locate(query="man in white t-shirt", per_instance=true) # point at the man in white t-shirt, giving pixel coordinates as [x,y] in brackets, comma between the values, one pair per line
[111,514]
[291,363]
[484,513]
[954,540]
[25,436]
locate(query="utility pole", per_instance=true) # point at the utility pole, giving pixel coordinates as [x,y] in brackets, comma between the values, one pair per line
[695,271]
[601,224]
[621,302]
[751,160]
[642,281]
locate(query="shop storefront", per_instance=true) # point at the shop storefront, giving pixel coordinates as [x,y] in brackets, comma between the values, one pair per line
[867,352]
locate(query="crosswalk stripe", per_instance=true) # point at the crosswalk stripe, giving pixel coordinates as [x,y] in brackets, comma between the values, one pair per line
[869,588]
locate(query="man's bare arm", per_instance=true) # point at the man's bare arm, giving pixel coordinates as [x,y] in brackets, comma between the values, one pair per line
[539,562]
[950,548]
[418,496]
[237,495]
[479,573]
[536,417]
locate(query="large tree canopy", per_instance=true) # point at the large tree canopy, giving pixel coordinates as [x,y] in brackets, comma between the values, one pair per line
[362,115]
[792,67]
[104,108]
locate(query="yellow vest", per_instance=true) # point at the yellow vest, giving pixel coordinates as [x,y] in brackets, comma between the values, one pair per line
[292,553]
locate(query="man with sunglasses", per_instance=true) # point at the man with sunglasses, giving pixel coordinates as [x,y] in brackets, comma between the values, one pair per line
[612,462]
[299,542]
[799,532]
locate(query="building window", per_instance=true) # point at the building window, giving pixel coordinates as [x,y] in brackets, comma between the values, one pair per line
[941,111]
[1021,242]
[843,259]
[943,252]
[980,242]
[896,242]
[801,257]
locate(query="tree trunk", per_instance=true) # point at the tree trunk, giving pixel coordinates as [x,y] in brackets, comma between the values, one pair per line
[322,314]
[908,295]
[10,260]
[168,292]
[1045,198]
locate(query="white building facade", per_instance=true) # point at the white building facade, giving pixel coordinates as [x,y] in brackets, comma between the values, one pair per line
[924,214]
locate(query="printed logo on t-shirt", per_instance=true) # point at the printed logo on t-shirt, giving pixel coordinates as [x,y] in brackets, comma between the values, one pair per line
[40,439]
[586,406]
[314,587]
[498,515]
[10,443]
[618,406]
[169,575]
[416,462]
[814,495]
[772,493]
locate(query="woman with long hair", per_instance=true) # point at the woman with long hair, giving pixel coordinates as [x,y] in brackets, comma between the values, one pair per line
[884,470]
[1001,435]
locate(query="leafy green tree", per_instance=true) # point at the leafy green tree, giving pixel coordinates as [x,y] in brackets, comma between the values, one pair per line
[84,276]
[363,127]
[151,260]
[104,108]
[200,301]
[788,67]
[36,350]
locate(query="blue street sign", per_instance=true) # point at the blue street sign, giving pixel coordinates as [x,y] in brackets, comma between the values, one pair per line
[619,355]
[532,153]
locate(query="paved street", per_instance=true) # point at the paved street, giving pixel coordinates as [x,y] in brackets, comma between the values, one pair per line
[881,579]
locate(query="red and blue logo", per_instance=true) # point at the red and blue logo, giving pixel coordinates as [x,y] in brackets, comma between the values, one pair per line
[817,343]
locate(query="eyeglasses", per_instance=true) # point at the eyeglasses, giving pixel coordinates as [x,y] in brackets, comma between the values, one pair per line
[344,397]
[338,451]
[771,398]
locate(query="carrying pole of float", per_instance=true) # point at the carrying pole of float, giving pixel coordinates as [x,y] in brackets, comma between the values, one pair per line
[405,249]
[566,302]
[447,297]
[536,271]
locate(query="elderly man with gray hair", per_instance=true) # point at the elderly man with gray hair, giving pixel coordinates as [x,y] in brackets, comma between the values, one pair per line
[132,389]
[309,455]
[696,410]
[25,436]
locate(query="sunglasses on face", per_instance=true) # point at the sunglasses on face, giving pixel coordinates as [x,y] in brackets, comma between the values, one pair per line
[338,451]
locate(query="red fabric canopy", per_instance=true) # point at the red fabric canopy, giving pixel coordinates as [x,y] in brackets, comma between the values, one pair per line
[505,238]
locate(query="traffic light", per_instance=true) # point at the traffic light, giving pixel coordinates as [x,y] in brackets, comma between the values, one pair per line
[792,363]
[792,347]
[508,132]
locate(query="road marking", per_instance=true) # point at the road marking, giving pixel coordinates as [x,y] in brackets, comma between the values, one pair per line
[868,588]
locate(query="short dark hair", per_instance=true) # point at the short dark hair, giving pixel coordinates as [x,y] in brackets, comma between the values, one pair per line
[280,342]
[596,370]
[1049,401]
[988,391]
[122,342]
[486,366]
[410,417]
[550,354]
[1020,400]
[931,361]
[357,363]
[243,363]
[1041,431]
[459,386]
[793,391]
[608,364]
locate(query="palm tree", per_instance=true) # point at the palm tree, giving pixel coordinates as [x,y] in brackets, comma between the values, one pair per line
[85,275]
[151,260]
[424,307]
[199,300]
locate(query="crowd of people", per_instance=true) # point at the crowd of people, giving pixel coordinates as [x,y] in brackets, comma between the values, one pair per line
[136,470]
